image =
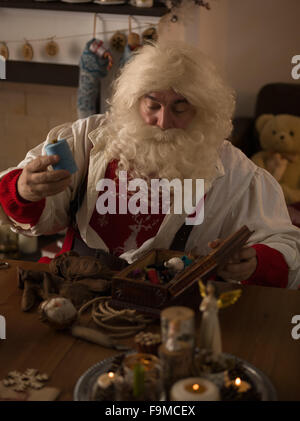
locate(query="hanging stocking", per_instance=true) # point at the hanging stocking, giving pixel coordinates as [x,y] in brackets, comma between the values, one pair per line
[94,63]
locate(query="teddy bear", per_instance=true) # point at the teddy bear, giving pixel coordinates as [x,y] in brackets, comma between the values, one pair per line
[279,137]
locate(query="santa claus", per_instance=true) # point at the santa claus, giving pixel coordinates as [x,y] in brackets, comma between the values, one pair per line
[169,117]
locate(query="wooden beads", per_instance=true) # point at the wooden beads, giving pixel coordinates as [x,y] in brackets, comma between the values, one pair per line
[52,48]
[27,51]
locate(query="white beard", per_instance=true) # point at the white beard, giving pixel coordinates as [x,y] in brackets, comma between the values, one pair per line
[148,152]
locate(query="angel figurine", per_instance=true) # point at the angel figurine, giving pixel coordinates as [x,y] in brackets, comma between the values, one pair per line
[210,332]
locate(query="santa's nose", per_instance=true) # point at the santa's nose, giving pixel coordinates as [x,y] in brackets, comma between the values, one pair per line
[164,119]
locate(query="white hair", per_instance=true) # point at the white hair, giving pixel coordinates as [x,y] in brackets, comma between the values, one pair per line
[149,151]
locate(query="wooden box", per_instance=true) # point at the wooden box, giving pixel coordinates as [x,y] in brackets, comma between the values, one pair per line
[182,289]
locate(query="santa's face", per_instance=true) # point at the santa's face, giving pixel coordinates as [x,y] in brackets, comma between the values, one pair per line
[166,110]
[162,135]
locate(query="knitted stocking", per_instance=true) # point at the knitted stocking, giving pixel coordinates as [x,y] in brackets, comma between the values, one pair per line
[94,63]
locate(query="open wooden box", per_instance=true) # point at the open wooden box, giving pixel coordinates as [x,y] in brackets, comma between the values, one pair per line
[182,289]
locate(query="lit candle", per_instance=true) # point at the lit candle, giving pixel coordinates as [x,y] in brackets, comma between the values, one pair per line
[240,385]
[194,389]
[106,380]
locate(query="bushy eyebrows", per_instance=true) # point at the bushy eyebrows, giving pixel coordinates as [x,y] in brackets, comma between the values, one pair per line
[177,101]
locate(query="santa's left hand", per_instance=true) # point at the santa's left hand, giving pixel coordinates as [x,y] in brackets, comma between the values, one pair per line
[241,265]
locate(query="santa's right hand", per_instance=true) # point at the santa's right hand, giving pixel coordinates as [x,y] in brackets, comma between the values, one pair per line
[36,182]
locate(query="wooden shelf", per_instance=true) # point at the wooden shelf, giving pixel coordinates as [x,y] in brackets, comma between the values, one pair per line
[159,9]
[42,73]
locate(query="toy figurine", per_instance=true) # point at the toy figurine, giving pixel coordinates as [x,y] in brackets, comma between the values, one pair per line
[210,333]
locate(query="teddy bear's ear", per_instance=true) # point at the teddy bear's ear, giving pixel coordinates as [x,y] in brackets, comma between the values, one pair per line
[262,120]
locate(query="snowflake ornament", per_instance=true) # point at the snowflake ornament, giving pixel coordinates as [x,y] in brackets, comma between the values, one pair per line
[30,379]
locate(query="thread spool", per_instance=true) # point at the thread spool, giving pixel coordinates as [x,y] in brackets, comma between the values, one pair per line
[61,147]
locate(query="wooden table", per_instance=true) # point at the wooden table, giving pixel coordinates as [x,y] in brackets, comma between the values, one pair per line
[257,328]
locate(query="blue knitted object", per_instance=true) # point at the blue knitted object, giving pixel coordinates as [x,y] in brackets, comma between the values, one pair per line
[91,69]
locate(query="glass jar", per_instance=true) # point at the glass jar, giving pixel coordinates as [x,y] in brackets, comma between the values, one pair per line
[141,379]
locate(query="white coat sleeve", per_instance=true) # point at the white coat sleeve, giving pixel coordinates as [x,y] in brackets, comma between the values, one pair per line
[262,208]
[56,215]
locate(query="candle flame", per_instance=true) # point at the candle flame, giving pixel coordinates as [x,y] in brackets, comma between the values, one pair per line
[111,375]
[196,387]
[237,381]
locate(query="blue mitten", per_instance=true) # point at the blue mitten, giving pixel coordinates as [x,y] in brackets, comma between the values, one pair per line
[94,64]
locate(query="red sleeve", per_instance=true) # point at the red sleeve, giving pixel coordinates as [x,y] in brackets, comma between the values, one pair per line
[20,210]
[272,269]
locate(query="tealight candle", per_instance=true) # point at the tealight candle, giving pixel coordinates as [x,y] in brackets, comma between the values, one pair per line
[194,389]
[241,385]
[106,380]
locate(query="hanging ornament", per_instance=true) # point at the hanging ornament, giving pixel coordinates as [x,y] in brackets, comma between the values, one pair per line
[52,48]
[27,51]
[150,34]
[118,42]
[133,40]
[133,43]
[4,50]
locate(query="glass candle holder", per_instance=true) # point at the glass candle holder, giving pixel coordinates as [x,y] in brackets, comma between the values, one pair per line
[178,328]
[141,379]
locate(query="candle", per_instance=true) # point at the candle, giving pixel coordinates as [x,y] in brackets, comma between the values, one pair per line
[241,385]
[106,380]
[194,389]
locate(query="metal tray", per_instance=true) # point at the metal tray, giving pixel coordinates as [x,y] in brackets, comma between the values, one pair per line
[85,383]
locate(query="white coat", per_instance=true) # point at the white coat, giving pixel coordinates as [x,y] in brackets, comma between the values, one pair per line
[243,194]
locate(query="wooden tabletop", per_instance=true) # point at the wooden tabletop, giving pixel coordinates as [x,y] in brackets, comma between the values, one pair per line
[257,328]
